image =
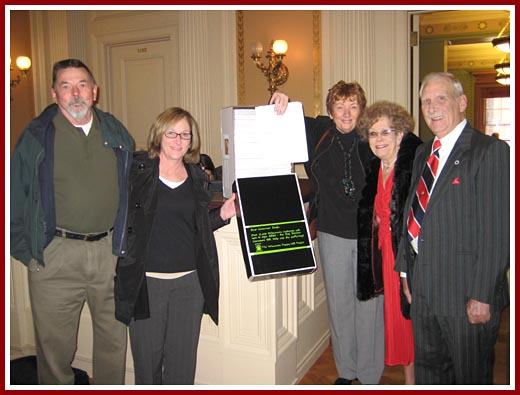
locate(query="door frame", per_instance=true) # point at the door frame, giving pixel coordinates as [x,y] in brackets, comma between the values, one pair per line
[485,87]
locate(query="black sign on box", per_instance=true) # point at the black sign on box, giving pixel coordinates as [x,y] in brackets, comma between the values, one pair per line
[272,226]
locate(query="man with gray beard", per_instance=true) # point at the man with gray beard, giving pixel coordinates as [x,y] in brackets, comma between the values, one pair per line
[69,196]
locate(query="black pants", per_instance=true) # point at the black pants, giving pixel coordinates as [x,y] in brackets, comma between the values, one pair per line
[450,350]
[164,346]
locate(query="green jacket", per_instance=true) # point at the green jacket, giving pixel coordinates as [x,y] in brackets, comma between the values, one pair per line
[33,212]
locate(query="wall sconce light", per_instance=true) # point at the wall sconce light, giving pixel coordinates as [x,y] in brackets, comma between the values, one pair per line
[24,64]
[275,71]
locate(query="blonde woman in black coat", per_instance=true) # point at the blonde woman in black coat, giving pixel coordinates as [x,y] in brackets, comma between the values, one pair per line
[170,275]
[388,128]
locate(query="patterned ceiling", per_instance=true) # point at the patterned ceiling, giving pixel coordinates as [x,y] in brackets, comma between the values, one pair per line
[468,35]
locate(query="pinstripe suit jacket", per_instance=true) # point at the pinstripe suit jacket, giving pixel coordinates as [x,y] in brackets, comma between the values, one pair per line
[464,238]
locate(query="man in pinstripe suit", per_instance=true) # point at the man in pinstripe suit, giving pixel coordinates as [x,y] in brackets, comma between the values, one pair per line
[454,271]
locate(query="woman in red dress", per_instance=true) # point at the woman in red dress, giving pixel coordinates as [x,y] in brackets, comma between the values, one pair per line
[388,128]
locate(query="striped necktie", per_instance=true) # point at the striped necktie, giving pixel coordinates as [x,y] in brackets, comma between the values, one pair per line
[422,194]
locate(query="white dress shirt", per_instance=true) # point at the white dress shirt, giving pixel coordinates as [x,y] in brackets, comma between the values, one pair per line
[447,144]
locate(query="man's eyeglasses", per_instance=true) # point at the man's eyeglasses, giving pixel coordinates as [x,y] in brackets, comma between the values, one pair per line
[384,133]
[173,135]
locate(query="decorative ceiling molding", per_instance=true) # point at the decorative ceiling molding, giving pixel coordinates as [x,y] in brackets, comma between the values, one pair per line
[451,23]
[468,35]
[486,27]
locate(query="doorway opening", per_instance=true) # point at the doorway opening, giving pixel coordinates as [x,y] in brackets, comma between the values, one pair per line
[459,42]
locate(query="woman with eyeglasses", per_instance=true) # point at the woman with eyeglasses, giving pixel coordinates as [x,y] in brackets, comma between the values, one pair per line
[388,127]
[338,162]
[170,274]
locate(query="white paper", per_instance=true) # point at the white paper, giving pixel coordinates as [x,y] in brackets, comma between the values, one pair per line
[257,142]
[284,135]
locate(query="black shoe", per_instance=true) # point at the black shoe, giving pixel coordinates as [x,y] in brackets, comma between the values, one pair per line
[342,381]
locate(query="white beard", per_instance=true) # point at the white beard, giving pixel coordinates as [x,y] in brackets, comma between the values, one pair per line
[77,114]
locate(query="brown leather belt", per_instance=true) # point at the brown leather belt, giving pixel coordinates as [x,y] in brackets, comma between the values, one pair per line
[82,236]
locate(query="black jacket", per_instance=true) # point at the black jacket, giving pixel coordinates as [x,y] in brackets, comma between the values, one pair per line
[320,137]
[131,295]
[464,243]
[370,274]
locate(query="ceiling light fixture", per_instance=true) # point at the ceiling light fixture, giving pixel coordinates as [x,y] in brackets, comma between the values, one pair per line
[503,79]
[503,68]
[501,43]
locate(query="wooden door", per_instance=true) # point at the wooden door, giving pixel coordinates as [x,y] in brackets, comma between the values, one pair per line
[143,81]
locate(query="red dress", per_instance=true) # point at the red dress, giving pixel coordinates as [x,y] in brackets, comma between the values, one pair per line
[398,330]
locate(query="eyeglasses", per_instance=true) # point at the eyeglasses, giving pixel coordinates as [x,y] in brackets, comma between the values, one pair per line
[173,135]
[384,133]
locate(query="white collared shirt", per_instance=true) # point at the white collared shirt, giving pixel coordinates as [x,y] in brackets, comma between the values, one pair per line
[447,144]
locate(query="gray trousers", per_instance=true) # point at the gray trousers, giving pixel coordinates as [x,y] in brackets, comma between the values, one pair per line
[76,272]
[164,346]
[357,328]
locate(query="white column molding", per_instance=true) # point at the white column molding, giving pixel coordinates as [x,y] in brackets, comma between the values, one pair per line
[49,37]
[348,48]
[77,33]
[207,54]
[38,56]
[227,53]
[367,47]
[21,330]
[195,69]
[287,314]
[391,57]
[223,74]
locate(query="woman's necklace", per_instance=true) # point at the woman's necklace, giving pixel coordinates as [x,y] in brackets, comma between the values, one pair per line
[387,170]
[388,167]
[347,182]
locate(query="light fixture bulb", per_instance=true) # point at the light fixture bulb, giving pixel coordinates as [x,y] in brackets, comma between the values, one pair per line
[503,68]
[503,79]
[501,43]
[257,48]
[280,47]
[23,63]
[274,70]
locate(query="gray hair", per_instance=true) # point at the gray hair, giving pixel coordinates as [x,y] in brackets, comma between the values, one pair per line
[457,86]
[70,63]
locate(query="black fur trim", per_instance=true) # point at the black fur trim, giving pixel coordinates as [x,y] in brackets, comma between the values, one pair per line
[369,279]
